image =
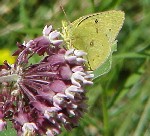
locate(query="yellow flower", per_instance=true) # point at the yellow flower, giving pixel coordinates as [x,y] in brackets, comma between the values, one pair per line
[5,54]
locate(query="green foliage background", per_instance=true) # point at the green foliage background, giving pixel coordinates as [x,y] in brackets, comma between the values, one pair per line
[119,102]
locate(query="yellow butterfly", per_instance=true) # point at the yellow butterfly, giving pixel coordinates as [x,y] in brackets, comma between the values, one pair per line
[95,34]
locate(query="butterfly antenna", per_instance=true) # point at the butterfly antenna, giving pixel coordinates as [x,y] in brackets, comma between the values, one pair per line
[65,14]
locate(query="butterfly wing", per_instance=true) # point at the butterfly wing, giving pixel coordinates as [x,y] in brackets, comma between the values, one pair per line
[86,37]
[95,34]
[108,22]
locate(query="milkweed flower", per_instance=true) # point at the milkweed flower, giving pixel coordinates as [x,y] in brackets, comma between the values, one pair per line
[42,98]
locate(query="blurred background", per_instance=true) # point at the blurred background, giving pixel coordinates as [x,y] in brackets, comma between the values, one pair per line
[119,102]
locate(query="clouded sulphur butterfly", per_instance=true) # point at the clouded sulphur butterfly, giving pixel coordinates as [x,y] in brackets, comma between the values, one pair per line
[95,34]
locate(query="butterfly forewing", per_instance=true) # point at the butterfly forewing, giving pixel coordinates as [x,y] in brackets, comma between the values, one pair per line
[95,34]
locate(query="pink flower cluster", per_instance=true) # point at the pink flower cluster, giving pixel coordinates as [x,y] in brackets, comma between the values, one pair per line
[42,98]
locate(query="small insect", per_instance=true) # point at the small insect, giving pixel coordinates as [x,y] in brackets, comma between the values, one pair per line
[94,34]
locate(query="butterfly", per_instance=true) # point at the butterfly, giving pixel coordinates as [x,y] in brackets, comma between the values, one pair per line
[95,34]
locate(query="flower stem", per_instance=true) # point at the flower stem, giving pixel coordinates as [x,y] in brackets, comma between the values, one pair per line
[105,114]
[9,78]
